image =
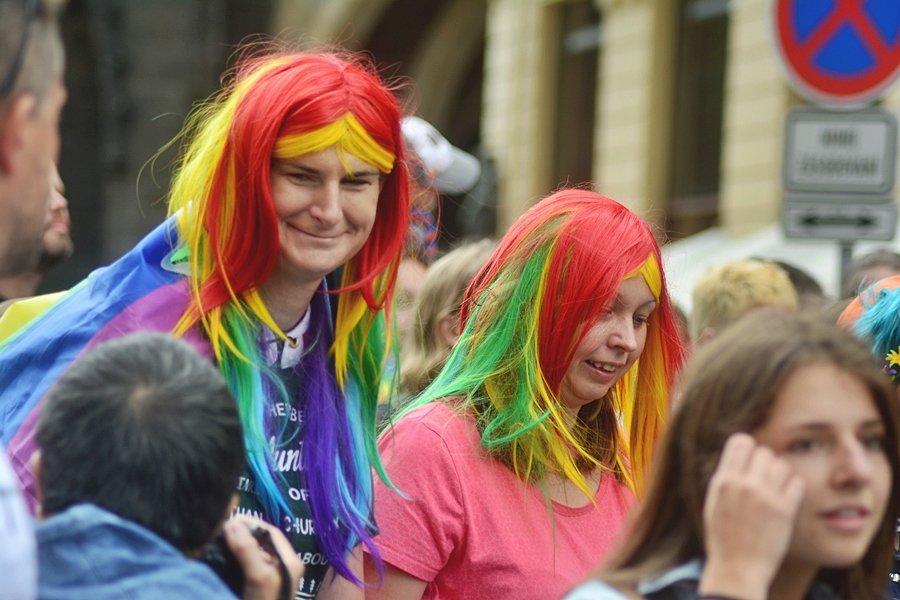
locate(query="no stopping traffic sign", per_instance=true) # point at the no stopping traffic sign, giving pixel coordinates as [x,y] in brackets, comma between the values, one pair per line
[839,53]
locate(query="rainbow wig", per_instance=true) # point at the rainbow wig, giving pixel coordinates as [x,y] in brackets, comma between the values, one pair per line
[549,280]
[283,106]
[874,316]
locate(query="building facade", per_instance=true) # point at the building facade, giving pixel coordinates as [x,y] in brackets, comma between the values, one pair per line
[674,107]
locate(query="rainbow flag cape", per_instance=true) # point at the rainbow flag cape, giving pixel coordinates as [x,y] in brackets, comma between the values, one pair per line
[147,289]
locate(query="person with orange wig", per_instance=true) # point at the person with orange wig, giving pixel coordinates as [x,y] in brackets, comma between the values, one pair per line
[515,467]
[288,211]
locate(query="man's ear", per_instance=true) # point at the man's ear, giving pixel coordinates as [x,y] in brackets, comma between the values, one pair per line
[14,122]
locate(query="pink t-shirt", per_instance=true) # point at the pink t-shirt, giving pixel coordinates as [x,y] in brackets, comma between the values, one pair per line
[471,528]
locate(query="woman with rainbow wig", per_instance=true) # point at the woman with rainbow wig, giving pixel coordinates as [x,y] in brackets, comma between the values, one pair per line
[515,467]
[292,173]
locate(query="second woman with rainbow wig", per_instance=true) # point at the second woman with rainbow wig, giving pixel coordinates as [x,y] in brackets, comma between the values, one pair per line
[292,173]
[516,466]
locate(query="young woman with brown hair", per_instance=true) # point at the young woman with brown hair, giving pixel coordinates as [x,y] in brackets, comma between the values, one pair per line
[777,477]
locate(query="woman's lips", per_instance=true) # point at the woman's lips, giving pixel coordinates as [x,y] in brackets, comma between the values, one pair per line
[847,519]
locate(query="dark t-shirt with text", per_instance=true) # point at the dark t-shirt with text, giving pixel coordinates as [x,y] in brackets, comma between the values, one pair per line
[284,433]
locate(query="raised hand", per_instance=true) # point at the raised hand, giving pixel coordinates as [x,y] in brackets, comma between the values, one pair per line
[748,515]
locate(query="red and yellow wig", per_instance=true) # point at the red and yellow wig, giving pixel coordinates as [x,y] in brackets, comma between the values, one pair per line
[553,274]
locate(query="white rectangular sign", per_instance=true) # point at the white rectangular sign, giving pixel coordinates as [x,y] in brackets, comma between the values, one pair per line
[847,222]
[853,152]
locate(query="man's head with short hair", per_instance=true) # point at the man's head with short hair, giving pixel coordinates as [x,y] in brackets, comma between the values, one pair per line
[727,291]
[868,268]
[31,51]
[810,295]
[31,98]
[144,427]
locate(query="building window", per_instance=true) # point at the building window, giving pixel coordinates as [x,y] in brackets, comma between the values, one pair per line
[576,92]
[699,94]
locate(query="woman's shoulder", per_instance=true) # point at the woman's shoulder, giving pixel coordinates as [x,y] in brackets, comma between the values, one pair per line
[438,427]
[443,417]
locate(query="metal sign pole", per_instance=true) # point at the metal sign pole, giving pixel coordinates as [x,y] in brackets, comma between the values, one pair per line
[839,163]
[846,257]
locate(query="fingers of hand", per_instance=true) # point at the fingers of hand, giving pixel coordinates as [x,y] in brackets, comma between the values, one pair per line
[292,562]
[285,551]
[767,470]
[750,507]
[737,452]
[794,490]
[258,565]
[752,478]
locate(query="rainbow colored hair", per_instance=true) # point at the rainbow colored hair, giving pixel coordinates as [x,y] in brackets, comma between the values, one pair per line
[554,272]
[282,106]
[874,316]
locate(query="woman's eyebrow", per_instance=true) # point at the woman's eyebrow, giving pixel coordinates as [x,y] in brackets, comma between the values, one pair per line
[301,167]
[620,301]
[823,426]
[373,173]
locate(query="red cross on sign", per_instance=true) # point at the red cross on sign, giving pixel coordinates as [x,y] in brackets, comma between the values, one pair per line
[839,53]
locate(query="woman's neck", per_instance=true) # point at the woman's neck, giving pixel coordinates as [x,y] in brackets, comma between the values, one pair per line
[569,417]
[563,491]
[287,300]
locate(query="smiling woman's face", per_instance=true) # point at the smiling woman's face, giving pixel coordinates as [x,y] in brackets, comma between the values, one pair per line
[325,214]
[825,424]
[610,347]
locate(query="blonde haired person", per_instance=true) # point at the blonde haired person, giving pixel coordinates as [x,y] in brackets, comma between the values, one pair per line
[436,309]
[728,291]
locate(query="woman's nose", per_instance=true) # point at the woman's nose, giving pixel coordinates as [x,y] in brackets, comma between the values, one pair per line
[853,464]
[623,336]
[326,207]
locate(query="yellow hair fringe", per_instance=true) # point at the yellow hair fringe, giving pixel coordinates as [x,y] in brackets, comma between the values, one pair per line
[347,135]
[190,198]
